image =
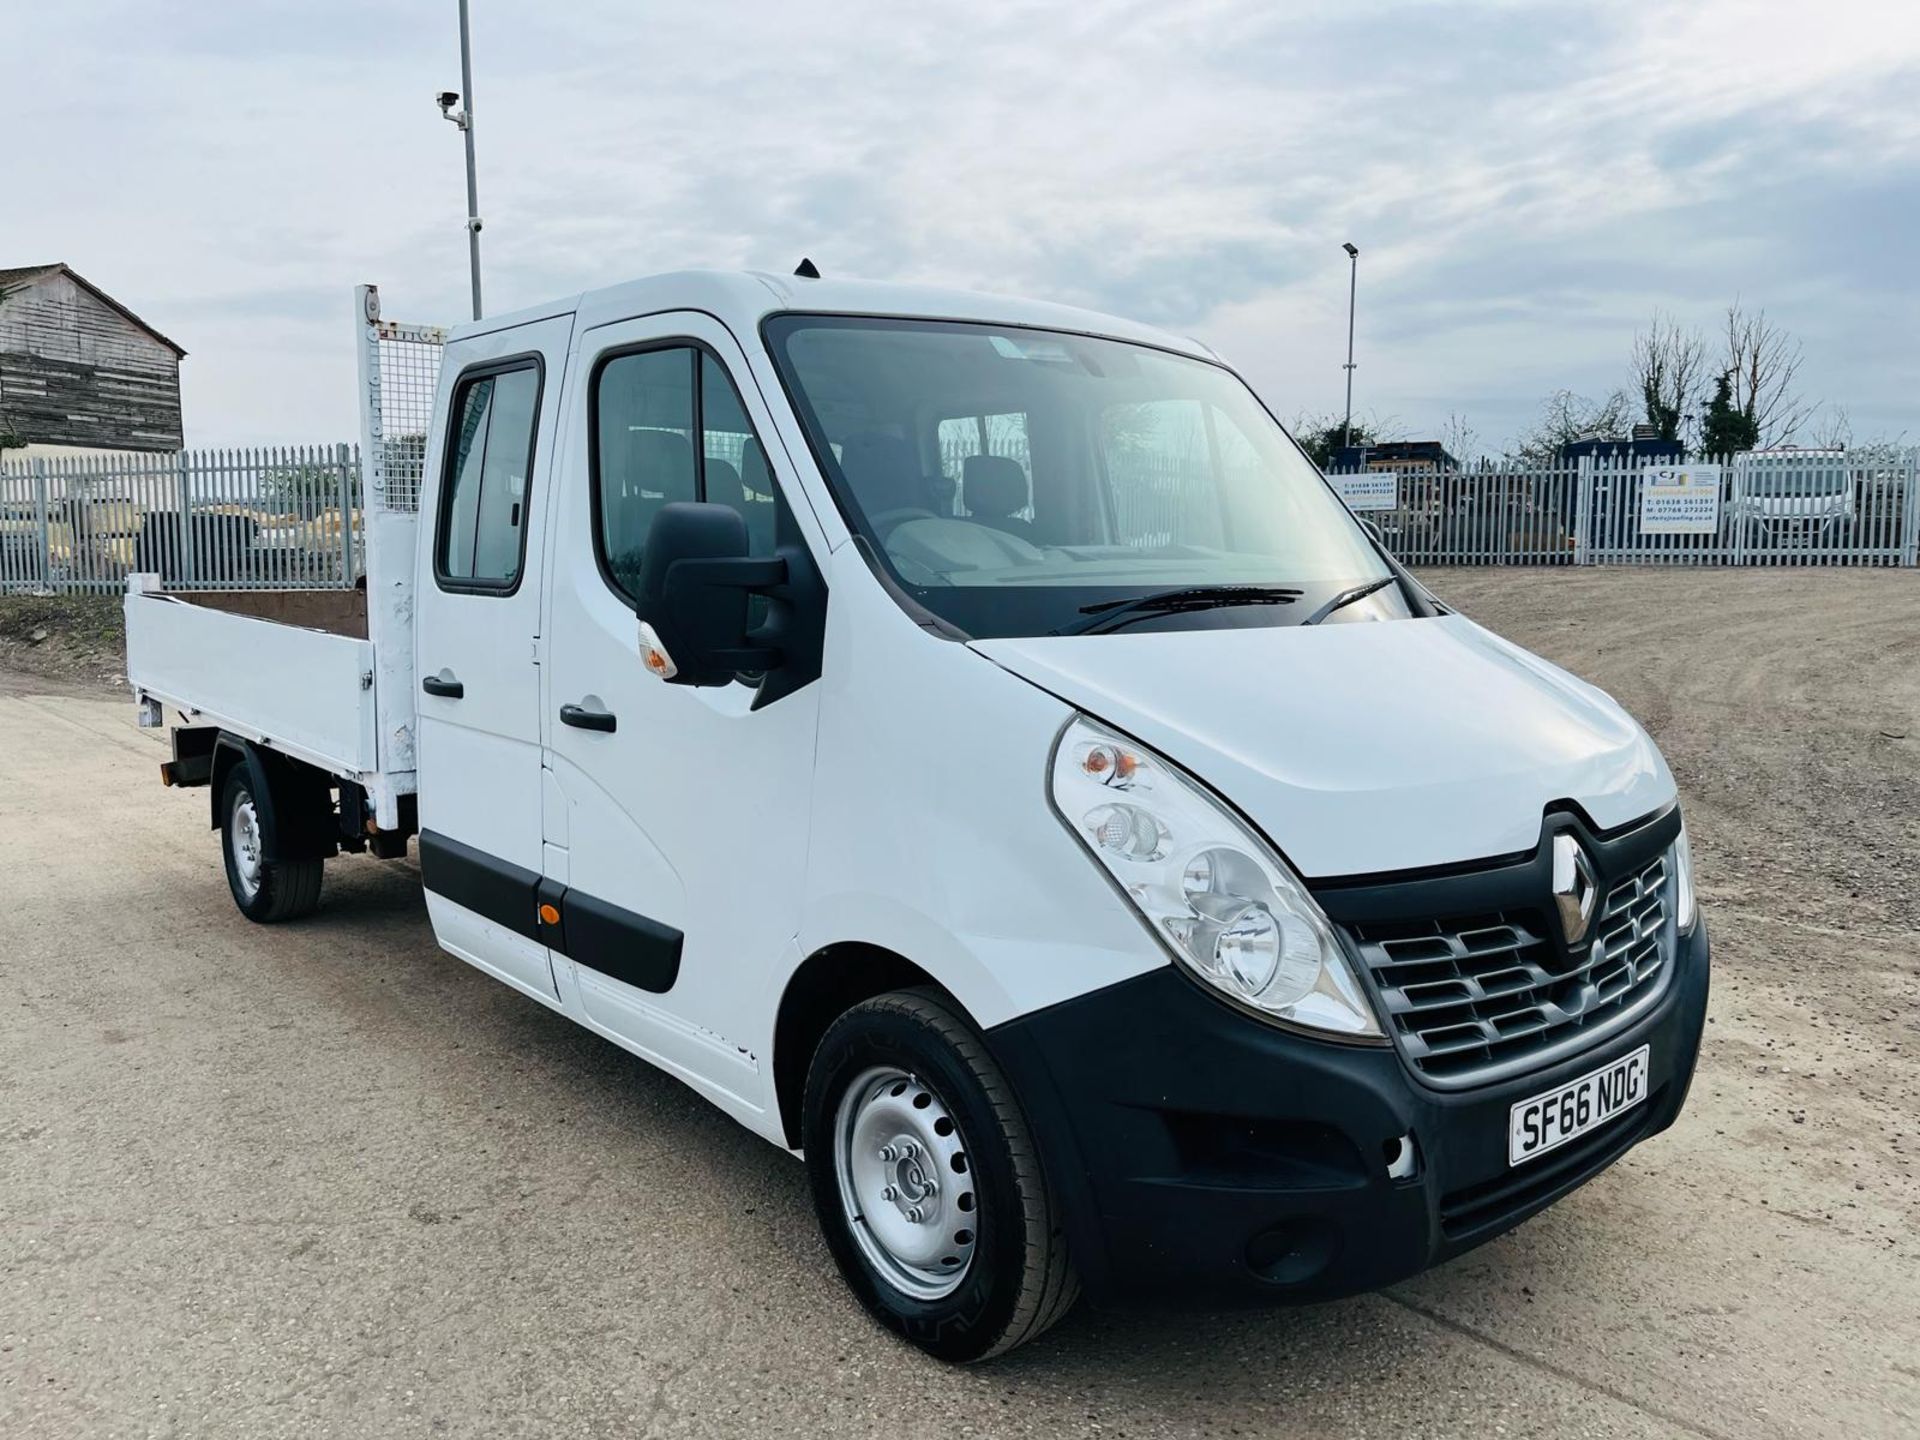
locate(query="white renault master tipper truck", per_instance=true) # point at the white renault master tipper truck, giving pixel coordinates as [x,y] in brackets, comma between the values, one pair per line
[968,742]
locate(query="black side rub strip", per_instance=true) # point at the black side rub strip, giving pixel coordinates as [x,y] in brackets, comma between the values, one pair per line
[485,884]
[629,947]
[596,933]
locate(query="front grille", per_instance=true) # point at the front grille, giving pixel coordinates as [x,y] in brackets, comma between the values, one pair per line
[1475,998]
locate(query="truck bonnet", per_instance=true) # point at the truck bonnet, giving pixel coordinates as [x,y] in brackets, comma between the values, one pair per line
[1364,748]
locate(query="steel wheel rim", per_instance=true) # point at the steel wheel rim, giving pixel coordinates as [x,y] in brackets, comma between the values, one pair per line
[898,1154]
[245,845]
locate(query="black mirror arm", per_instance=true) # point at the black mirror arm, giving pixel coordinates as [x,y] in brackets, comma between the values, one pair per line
[730,572]
[690,578]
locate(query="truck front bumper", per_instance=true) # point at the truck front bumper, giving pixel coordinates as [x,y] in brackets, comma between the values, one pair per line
[1198,1152]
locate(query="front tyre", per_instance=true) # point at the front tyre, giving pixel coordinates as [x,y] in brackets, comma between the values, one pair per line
[267,891]
[927,1181]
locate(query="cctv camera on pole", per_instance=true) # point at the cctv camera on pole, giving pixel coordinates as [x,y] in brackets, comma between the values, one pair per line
[1353,287]
[463,118]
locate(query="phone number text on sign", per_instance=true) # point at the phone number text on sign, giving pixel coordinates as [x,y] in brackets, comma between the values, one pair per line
[1369,492]
[1680,500]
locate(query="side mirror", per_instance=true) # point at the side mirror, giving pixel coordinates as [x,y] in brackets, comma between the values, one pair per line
[695,579]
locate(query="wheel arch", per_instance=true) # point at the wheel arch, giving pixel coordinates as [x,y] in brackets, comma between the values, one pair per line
[826,985]
[293,800]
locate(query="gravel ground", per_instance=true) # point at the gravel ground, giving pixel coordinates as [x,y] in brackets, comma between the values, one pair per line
[327,1180]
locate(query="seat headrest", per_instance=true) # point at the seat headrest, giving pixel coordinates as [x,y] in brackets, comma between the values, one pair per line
[723,481]
[755,475]
[883,472]
[993,485]
[663,461]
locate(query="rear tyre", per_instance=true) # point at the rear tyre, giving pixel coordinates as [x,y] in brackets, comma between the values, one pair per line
[267,891]
[927,1181]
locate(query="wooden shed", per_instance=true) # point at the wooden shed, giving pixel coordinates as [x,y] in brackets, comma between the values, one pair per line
[79,371]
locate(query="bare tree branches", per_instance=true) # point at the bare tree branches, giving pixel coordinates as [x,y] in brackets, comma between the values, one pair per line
[1322,436]
[1565,417]
[1761,361]
[1832,428]
[1670,371]
[1460,440]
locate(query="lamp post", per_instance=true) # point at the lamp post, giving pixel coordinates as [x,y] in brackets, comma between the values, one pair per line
[463,118]
[1353,289]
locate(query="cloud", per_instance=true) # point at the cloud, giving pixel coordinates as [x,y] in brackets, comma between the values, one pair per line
[1527,181]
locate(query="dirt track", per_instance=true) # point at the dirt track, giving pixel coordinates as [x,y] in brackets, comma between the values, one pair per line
[327,1180]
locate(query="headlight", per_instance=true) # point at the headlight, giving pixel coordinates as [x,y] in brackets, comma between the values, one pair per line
[1684,910]
[1225,906]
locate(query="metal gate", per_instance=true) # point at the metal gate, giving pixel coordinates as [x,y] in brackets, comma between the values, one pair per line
[399,368]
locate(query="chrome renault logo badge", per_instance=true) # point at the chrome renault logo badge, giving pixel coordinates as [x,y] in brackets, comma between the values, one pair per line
[1575,891]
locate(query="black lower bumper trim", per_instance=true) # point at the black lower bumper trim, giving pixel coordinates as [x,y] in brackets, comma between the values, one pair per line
[1476,1212]
[1198,1152]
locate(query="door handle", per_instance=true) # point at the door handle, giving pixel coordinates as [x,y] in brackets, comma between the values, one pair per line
[445,689]
[582,718]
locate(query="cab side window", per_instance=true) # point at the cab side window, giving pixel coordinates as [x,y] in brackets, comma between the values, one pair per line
[484,497]
[669,425]
[737,473]
[643,452]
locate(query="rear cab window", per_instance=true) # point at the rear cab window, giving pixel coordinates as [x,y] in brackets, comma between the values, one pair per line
[987,460]
[480,540]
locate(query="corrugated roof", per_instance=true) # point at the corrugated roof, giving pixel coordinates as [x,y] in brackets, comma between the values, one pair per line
[20,274]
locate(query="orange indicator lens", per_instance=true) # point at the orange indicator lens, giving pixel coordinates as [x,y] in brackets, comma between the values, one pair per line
[1109,764]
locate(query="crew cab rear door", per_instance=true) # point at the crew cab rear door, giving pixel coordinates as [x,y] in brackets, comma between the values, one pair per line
[477,628]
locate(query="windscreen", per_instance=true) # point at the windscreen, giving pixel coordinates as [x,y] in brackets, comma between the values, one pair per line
[1014,481]
[1805,483]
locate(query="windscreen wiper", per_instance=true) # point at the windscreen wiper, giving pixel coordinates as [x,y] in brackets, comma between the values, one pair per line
[1347,597]
[1113,613]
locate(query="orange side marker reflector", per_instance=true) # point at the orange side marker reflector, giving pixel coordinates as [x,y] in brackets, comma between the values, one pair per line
[549,915]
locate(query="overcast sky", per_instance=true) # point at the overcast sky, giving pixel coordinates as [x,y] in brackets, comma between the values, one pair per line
[1526,181]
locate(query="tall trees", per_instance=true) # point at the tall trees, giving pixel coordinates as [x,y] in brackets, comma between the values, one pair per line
[1742,386]
[1669,371]
[1761,361]
[1725,427]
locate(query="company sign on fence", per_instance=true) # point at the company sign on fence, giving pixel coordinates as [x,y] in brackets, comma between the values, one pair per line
[1369,490]
[1680,500]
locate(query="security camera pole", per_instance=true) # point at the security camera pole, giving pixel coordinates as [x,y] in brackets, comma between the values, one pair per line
[464,119]
[1353,287]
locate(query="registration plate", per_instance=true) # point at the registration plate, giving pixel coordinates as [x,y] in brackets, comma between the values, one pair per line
[1548,1121]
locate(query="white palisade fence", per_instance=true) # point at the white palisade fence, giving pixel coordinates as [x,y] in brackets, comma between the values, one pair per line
[276,518]
[1812,508]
